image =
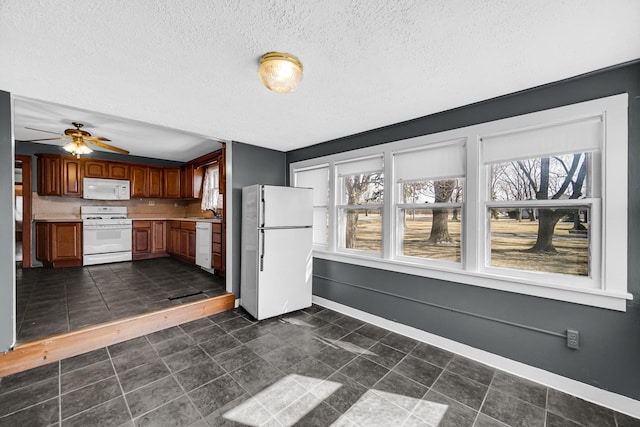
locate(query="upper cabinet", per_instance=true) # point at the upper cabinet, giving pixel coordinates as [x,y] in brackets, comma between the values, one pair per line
[60,175]
[94,168]
[49,175]
[171,181]
[71,177]
[191,182]
[146,181]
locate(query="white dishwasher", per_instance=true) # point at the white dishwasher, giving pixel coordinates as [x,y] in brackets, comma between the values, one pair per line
[203,245]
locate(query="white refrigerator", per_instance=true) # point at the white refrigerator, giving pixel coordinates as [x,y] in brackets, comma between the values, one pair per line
[276,263]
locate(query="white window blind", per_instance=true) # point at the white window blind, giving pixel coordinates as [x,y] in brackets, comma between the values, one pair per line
[361,166]
[447,161]
[573,137]
[318,179]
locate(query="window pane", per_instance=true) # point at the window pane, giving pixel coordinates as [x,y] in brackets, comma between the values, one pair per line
[431,233]
[318,179]
[559,177]
[433,191]
[362,189]
[550,240]
[362,229]
[320,226]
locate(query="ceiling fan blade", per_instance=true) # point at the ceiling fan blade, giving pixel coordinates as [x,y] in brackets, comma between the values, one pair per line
[96,138]
[108,147]
[40,130]
[36,140]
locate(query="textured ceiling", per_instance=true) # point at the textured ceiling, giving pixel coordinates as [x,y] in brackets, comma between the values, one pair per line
[191,65]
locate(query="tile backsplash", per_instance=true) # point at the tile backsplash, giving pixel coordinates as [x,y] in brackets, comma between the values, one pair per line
[51,207]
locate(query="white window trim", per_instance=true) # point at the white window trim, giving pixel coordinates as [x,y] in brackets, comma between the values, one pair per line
[613,292]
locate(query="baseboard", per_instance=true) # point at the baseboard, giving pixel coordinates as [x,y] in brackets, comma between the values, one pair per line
[584,391]
[238,302]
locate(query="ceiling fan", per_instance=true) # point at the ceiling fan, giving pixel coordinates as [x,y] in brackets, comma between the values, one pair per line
[79,139]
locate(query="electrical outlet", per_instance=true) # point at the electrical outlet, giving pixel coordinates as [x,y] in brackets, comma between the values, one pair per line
[573,339]
[152,202]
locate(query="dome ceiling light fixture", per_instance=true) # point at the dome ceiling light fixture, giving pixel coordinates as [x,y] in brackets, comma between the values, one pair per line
[280,72]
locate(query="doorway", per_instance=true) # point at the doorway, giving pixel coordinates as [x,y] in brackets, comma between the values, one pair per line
[22,213]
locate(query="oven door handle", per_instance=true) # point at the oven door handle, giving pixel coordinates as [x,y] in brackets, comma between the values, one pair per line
[99,227]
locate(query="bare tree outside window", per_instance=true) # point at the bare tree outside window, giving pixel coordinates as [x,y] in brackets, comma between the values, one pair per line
[360,190]
[553,178]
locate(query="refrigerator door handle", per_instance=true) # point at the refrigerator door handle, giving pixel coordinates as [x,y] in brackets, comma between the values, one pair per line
[262,250]
[262,205]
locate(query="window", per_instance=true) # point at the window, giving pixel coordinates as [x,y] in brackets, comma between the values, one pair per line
[541,200]
[534,204]
[211,197]
[361,184]
[318,179]
[430,202]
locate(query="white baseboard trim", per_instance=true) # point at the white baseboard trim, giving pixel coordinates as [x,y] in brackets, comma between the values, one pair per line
[238,302]
[584,391]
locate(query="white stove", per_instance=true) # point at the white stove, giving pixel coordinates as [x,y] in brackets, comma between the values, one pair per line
[106,234]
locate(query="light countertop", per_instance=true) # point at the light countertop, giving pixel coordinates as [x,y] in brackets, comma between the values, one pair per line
[192,219]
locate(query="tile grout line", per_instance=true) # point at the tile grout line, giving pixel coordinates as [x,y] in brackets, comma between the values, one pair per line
[546,406]
[119,384]
[59,393]
[484,399]
[172,374]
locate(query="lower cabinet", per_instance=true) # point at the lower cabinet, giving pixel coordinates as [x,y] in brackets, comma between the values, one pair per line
[149,239]
[217,261]
[182,240]
[59,244]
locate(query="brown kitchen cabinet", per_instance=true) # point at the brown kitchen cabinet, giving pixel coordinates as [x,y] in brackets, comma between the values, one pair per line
[181,240]
[216,248]
[59,175]
[118,170]
[154,180]
[95,168]
[171,181]
[188,241]
[173,239]
[49,175]
[146,181]
[71,177]
[59,244]
[191,182]
[149,239]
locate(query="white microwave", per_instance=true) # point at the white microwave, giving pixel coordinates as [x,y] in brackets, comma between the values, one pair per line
[105,189]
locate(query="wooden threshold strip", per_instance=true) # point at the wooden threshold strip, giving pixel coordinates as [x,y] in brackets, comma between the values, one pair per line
[50,349]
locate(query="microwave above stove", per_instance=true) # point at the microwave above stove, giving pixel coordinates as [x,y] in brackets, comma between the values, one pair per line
[105,189]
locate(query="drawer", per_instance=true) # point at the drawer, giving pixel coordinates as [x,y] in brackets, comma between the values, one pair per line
[174,224]
[216,238]
[216,248]
[216,228]
[188,225]
[141,224]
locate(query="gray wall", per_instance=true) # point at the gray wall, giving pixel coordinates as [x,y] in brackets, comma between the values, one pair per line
[250,165]
[7,251]
[609,356]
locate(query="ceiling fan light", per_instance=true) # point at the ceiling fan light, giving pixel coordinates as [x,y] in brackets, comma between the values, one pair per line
[77,147]
[280,72]
[83,149]
[70,147]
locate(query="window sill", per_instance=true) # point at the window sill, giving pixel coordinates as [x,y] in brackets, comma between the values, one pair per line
[589,297]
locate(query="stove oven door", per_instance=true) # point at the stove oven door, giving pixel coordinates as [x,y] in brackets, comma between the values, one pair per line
[106,243]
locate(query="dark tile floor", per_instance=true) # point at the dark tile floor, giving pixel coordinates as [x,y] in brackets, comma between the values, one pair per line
[314,367]
[51,301]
